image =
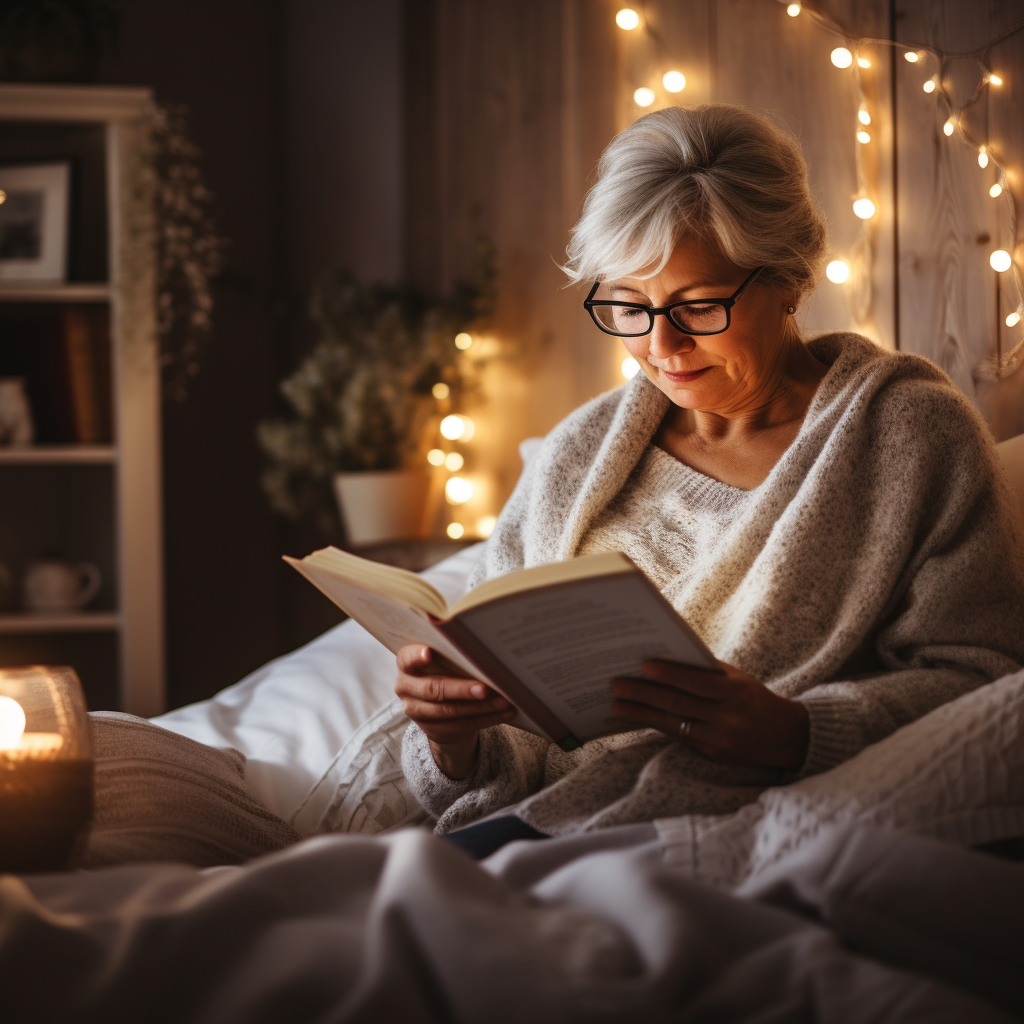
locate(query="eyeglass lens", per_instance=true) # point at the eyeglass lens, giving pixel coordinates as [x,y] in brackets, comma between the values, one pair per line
[703,318]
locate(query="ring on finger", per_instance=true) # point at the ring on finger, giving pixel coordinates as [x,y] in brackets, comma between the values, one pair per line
[685,725]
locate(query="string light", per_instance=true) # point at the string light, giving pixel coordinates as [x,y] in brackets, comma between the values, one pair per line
[1000,261]
[841,57]
[458,490]
[453,428]
[911,56]
[630,368]
[949,127]
[453,461]
[863,62]
[440,390]
[463,341]
[793,10]
[863,137]
[863,116]
[983,157]
[838,271]
[1012,319]
[455,530]
[929,86]
[643,97]
[996,190]
[627,19]
[994,80]
[674,81]
[864,208]
[485,526]
[435,457]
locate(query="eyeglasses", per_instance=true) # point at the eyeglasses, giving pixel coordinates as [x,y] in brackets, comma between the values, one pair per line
[691,316]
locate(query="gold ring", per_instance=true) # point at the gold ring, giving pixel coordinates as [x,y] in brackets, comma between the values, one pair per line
[684,727]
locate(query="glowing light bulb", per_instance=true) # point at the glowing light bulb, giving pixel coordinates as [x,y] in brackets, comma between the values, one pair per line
[458,490]
[864,208]
[12,723]
[3,196]
[454,461]
[455,530]
[949,127]
[440,390]
[435,457]
[452,428]
[463,341]
[627,18]
[864,137]
[643,97]
[863,116]
[996,190]
[485,525]
[793,10]
[674,81]
[630,367]
[1012,319]
[911,56]
[995,80]
[841,57]
[1000,261]
[983,158]
[838,271]
[863,62]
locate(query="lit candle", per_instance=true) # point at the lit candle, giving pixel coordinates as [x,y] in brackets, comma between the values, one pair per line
[18,745]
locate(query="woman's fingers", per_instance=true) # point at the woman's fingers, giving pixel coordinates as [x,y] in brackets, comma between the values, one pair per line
[696,681]
[669,699]
[657,718]
[440,711]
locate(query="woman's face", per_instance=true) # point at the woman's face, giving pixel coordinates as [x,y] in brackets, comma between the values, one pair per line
[730,373]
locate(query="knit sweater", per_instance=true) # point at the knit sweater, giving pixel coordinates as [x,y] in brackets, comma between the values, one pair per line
[877,573]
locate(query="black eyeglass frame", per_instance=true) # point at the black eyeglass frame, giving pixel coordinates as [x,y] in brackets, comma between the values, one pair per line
[652,311]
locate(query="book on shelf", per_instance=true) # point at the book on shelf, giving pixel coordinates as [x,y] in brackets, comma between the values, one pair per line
[549,638]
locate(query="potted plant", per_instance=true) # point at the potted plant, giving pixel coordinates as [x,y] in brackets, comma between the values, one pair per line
[366,402]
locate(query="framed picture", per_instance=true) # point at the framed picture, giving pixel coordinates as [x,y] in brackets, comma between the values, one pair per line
[34,221]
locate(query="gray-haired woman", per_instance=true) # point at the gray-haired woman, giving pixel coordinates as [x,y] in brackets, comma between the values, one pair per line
[828,516]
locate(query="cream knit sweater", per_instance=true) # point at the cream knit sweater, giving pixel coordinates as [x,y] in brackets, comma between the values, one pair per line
[877,573]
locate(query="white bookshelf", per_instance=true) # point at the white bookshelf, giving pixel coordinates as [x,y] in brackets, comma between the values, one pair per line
[133,460]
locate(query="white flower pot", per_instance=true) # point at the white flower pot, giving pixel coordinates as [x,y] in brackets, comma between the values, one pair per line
[384,505]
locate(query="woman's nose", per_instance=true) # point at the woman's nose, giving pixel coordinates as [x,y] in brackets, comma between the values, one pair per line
[665,339]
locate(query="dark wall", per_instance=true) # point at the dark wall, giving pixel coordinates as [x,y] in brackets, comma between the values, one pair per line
[296,108]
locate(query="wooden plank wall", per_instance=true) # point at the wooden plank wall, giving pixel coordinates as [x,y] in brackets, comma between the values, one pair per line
[511,102]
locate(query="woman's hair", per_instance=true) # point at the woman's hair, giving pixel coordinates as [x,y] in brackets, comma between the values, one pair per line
[718,173]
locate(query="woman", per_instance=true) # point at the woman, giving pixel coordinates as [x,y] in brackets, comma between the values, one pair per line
[829,517]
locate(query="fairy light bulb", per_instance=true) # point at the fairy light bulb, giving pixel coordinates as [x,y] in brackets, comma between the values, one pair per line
[630,367]
[1012,319]
[911,56]
[838,271]
[864,208]
[453,461]
[627,19]
[996,190]
[793,10]
[643,97]
[458,490]
[863,62]
[674,81]
[463,341]
[440,390]
[983,157]
[863,116]
[452,428]
[435,457]
[929,86]
[455,530]
[841,57]
[12,723]
[994,80]
[949,127]
[485,526]
[1000,261]
[863,137]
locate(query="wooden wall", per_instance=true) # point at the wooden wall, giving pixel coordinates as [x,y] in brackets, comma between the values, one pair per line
[510,103]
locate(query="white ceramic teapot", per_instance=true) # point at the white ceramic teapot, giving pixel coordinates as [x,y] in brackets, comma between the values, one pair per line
[53,585]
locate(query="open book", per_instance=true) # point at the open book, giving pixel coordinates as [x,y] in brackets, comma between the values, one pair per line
[550,639]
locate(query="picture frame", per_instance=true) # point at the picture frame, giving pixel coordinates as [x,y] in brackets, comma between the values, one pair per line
[34,222]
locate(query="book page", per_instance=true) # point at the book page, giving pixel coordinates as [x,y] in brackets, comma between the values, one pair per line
[568,641]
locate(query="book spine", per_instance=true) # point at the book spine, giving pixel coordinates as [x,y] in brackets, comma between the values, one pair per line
[516,691]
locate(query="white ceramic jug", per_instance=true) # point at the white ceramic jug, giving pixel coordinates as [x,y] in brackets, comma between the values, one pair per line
[53,585]
[16,426]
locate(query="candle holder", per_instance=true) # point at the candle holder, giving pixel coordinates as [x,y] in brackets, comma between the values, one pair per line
[46,768]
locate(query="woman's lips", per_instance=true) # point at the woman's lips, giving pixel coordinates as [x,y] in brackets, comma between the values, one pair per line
[684,377]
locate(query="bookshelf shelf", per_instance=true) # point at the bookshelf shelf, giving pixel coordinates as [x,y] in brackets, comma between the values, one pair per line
[98,292]
[67,622]
[59,455]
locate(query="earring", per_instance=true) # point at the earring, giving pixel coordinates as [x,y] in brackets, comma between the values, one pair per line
[791,310]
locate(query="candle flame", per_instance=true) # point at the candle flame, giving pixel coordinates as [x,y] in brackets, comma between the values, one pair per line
[12,723]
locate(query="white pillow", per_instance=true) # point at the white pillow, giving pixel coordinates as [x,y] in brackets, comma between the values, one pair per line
[293,716]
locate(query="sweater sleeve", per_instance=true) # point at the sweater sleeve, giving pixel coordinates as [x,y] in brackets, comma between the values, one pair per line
[509,767]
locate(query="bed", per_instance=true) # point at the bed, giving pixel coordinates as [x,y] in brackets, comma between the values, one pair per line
[886,889]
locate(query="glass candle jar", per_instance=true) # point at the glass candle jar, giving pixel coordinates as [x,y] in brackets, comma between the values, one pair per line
[46,768]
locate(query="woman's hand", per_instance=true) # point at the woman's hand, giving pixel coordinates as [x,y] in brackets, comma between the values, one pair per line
[451,710]
[731,717]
